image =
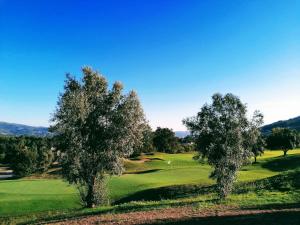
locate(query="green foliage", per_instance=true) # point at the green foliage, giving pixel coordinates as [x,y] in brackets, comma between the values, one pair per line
[147,142]
[225,137]
[27,155]
[98,195]
[284,139]
[3,141]
[181,148]
[164,140]
[45,157]
[258,147]
[97,128]
[24,160]
[255,139]
[189,139]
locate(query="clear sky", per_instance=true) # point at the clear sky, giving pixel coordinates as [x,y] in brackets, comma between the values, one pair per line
[175,54]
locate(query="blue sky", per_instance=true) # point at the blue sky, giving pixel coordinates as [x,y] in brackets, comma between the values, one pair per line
[175,54]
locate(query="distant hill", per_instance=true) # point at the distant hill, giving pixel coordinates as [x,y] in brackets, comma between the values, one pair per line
[182,134]
[293,123]
[13,129]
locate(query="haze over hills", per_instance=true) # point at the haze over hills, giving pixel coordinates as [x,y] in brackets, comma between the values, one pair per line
[14,129]
[293,123]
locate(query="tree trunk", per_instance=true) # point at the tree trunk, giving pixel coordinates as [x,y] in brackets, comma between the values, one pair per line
[255,159]
[90,197]
[285,153]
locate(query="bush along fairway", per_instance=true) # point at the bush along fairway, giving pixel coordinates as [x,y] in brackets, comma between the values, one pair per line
[157,181]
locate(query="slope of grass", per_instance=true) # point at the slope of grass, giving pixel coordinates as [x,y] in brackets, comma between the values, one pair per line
[170,179]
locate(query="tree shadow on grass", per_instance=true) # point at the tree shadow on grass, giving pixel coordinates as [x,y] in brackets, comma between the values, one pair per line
[286,181]
[138,158]
[143,171]
[283,182]
[273,218]
[281,163]
[274,206]
[169,192]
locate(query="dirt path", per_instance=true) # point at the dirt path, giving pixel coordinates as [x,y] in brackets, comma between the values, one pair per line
[188,215]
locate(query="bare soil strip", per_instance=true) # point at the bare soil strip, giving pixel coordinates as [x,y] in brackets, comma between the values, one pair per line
[169,216]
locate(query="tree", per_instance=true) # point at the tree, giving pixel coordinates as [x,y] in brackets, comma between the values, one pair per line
[45,157]
[282,138]
[3,143]
[187,140]
[259,147]
[98,127]
[221,132]
[23,158]
[27,155]
[147,142]
[165,140]
[256,140]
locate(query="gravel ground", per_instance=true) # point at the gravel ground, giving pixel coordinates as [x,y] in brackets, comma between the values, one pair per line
[189,215]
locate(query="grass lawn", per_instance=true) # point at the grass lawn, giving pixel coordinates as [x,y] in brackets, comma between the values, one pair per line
[34,196]
[26,196]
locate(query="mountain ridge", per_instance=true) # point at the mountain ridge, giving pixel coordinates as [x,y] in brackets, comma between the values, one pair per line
[15,129]
[293,123]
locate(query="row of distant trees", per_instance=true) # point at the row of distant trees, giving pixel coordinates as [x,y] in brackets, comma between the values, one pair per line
[164,140]
[96,127]
[284,139]
[27,155]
